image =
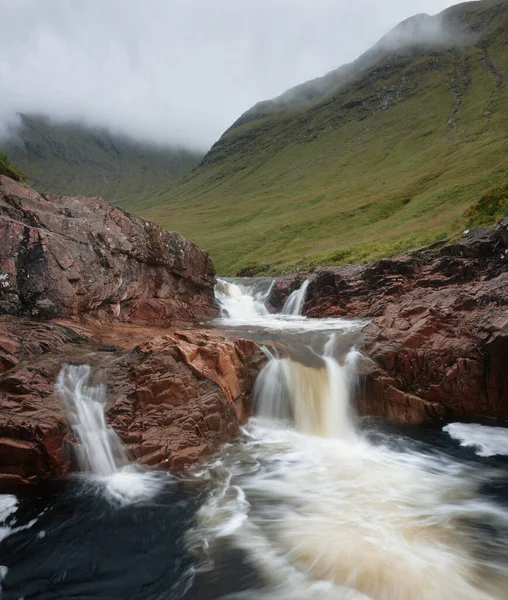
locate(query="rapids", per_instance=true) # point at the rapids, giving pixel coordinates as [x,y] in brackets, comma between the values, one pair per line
[311,502]
[323,512]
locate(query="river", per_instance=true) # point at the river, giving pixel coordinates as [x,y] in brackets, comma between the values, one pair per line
[310,502]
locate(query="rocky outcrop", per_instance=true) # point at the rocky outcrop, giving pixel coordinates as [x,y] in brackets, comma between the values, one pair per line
[438,330]
[172,399]
[84,282]
[62,257]
[175,398]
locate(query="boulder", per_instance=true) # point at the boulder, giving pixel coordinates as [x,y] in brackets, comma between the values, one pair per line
[172,399]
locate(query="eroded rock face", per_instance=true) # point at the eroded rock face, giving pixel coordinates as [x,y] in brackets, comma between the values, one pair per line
[172,399]
[33,425]
[175,398]
[63,256]
[439,327]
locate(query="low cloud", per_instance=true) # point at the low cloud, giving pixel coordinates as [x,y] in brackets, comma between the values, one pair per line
[425,30]
[176,72]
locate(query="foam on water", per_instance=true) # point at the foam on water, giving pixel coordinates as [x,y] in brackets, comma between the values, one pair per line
[487,441]
[242,303]
[8,506]
[101,453]
[343,519]
[132,484]
[314,507]
[321,512]
[3,574]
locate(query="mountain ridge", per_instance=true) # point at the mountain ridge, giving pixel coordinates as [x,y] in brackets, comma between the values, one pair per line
[432,31]
[76,159]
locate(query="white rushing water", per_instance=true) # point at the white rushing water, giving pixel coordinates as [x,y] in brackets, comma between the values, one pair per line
[8,506]
[100,451]
[487,441]
[343,519]
[243,305]
[99,448]
[294,303]
[321,512]
[315,398]
[240,302]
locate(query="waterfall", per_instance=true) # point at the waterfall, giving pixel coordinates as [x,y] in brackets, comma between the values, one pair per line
[242,302]
[317,398]
[309,386]
[294,303]
[100,451]
[321,512]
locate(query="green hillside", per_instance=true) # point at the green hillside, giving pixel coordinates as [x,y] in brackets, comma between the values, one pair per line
[8,169]
[405,146]
[74,159]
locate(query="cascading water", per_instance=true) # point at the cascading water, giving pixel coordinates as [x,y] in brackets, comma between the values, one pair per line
[322,512]
[100,451]
[309,502]
[316,397]
[243,305]
[240,302]
[294,303]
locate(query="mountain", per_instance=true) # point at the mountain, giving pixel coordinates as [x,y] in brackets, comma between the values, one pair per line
[403,147]
[75,159]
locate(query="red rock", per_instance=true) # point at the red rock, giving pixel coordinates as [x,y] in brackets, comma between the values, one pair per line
[106,279]
[62,256]
[168,411]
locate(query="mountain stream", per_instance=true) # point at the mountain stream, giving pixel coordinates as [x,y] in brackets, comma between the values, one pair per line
[310,502]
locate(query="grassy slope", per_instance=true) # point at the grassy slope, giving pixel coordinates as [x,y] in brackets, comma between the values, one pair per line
[392,159]
[8,169]
[74,159]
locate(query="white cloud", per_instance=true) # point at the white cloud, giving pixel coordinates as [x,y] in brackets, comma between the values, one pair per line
[176,71]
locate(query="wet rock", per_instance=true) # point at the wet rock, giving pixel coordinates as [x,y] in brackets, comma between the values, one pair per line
[283,287]
[175,398]
[21,339]
[172,399]
[33,425]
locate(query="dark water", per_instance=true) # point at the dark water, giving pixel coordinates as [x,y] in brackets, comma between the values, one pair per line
[82,546]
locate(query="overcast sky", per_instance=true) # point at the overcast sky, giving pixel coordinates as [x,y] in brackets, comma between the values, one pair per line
[177,71]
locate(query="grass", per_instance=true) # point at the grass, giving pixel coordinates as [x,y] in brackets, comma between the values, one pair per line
[492,207]
[8,169]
